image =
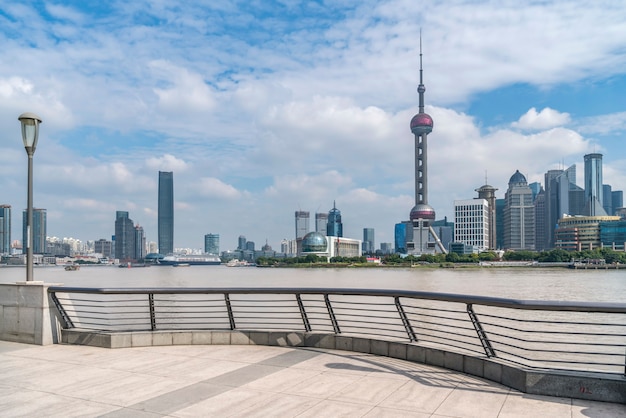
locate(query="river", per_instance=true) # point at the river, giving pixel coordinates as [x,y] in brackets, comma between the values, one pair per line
[516,283]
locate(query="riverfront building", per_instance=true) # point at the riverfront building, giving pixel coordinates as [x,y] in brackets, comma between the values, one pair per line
[40,226]
[212,244]
[369,246]
[302,223]
[593,185]
[519,215]
[5,229]
[577,233]
[488,193]
[166,212]
[321,222]
[471,223]
[330,246]
[335,226]
[124,236]
[104,247]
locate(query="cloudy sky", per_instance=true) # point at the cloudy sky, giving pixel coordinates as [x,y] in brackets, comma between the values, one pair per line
[265,107]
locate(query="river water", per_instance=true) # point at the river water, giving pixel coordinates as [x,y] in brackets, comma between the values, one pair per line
[515,283]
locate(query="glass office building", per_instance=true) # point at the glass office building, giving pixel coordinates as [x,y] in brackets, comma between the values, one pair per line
[166,212]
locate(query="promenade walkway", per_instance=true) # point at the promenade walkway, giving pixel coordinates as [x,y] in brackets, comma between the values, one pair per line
[253,381]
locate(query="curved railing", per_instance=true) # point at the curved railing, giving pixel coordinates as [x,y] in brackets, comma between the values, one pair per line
[545,335]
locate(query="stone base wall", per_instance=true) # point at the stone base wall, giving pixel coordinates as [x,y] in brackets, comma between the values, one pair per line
[580,385]
[25,315]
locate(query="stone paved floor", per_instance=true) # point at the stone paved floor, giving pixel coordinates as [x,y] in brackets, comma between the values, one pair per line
[253,381]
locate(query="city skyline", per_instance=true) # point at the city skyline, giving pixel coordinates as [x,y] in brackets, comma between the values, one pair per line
[262,109]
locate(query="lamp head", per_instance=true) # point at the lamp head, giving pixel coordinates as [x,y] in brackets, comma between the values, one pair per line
[30,130]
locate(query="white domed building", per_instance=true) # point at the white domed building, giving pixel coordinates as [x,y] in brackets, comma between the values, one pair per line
[329,247]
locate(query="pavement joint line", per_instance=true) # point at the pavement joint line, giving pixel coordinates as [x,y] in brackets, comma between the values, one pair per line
[175,400]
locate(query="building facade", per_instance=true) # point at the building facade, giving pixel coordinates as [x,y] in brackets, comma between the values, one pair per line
[104,247]
[593,185]
[519,215]
[369,245]
[321,222]
[212,244]
[166,212]
[488,193]
[5,229]
[577,233]
[140,243]
[335,226]
[302,223]
[330,246]
[124,237]
[40,227]
[471,223]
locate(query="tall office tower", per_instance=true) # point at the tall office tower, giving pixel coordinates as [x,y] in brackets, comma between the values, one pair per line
[166,212]
[241,242]
[617,197]
[321,222]
[500,204]
[302,224]
[607,201]
[334,227]
[471,223]
[40,226]
[250,245]
[593,185]
[422,214]
[540,220]
[5,229]
[488,193]
[124,236]
[368,247]
[519,215]
[140,243]
[212,243]
[399,237]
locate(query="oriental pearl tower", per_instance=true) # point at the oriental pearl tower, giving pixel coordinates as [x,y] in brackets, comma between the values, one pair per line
[422,214]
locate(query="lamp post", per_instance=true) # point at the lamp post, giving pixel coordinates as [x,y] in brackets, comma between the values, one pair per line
[30,133]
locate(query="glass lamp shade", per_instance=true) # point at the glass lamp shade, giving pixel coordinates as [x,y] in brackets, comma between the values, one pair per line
[30,130]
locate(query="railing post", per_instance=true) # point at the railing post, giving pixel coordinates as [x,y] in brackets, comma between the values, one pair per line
[331,314]
[67,322]
[405,320]
[229,308]
[305,319]
[482,336]
[152,314]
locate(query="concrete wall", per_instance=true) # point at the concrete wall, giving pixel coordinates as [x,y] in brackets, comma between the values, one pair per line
[25,315]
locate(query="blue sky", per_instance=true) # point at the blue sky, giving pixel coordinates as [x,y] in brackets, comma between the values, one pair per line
[262,108]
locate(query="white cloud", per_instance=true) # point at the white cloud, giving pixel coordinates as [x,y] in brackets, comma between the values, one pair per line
[546,119]
[166,162]
[217,189]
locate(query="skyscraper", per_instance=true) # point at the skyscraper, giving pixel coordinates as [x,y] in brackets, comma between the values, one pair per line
[302,224]
[5,229]
[166,212]
[369,246]
[212,243]
[488,193]
[124,236]
[140,243]
[40,226]
[471,223]
[519,215]
[422,214]
[321,222]
[593,185]
[335,226]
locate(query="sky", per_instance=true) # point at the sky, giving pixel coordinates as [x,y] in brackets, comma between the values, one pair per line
[263,108]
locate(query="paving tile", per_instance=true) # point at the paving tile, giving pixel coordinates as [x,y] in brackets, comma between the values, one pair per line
[380,412]
[582,408]
[336,409]
[279,405]
[472,401]
[225,404]
[519,405]
[368,390]
[417,397]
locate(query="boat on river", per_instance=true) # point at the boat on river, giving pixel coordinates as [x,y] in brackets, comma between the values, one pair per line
[72,267]
[190,259]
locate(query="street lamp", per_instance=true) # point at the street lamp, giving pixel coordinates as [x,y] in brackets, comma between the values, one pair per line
[30,133]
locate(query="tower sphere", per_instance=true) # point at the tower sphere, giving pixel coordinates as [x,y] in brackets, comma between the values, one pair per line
[421,123]
[422,211]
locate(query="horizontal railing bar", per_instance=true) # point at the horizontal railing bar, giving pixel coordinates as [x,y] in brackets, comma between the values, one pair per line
[544,305]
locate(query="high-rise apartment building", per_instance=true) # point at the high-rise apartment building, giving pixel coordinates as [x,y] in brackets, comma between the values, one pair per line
[593,185]
[471,223]
[104,247]
[212,244]
[302,224]
[5,229]
[368,245]
[241,242]
[40,226]
[540,220]
[335,226]
[124,237]
[166,212]
[321,223]
[519,215]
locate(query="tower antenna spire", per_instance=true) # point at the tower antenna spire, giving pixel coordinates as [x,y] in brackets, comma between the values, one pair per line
[421,88]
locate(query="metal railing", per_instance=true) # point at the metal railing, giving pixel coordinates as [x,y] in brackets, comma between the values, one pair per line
[549,335]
